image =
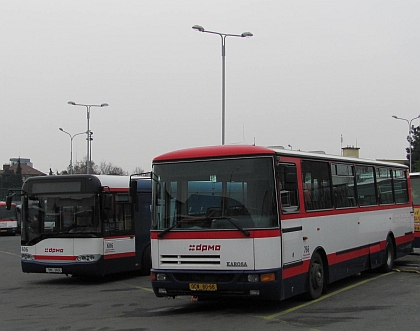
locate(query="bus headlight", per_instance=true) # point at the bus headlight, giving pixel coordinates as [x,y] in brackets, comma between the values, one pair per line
[27,257]
[87,258]
[254,278]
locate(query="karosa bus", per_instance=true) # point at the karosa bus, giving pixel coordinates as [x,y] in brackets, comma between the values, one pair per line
[8,219]
[85,224]
[273,223]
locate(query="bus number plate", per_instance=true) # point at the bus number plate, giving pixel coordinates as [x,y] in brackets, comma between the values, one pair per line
[203,287]
[54,270]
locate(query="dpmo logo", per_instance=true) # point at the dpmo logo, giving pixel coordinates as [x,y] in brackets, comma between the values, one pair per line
[54,250]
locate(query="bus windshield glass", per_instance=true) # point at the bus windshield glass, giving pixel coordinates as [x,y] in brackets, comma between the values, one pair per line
[215,194]
[8,214]
[64,215]
[415,189]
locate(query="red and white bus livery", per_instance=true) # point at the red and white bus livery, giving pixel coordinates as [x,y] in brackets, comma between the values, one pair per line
[8,219]
[272,223]
[85,224]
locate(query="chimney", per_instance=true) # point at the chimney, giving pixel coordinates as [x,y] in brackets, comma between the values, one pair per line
[351,151]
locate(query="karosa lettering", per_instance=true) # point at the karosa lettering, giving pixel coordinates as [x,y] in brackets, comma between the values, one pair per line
[54,250]
[236,264]
[201,247]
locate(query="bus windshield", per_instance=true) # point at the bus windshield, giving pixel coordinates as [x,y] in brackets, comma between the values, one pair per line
[215,194]
[66,215]
[8,214]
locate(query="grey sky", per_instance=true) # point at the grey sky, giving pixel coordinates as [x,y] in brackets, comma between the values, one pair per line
[313,71]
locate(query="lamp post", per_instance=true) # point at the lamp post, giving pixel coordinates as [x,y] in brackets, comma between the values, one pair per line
[71,147]
[88,132]
[409,138]
[223,38]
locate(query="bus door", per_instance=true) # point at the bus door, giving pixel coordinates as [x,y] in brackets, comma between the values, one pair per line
[290,222]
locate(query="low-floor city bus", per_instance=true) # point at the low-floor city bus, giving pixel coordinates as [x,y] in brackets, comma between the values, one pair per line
[273,223]
[8,219]
[415,191]
[85,225]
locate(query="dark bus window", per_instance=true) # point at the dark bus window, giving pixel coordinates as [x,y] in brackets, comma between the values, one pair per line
[384,182]
[366,192]
[288,182]
[316,185]
[343,185]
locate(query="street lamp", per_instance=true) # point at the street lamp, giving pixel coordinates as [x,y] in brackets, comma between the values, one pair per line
[223,37]
[71,147]
[88,132]
[410,131]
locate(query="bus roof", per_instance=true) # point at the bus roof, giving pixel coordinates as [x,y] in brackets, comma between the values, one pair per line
[250,150]
[111,181]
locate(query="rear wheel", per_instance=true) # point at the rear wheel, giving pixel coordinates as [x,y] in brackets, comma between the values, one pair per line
[389,256]
[316,277]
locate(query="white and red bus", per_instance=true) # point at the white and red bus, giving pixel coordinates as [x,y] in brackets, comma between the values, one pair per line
[415,191]
[8,219]
[273,223]
[85,225]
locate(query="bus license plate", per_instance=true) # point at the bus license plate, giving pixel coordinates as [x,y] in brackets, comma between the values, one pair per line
[203,287]
[54,270]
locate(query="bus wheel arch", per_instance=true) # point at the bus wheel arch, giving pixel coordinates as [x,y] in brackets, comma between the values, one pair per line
[317,274]
[389,254]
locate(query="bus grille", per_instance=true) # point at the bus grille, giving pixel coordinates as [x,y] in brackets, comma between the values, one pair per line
[203,277]
[203,260]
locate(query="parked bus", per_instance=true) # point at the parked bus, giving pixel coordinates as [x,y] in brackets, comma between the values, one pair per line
[415,191]
[273,223]
[85,225]
[8,219]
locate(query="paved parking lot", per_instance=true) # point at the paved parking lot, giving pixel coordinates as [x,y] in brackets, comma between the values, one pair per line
[43,302]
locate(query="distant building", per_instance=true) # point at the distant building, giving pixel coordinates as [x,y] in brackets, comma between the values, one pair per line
[26,166]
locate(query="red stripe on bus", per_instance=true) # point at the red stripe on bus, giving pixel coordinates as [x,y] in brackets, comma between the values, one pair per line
[119,255]
[219,234]
[55,257]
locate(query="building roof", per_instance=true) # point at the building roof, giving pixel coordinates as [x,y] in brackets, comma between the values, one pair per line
[26,170]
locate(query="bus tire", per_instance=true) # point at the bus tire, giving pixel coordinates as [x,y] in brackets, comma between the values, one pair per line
[316,277]
[389,256]
[146,261]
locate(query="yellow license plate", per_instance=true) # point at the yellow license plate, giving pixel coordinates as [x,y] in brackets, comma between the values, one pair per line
[203,287]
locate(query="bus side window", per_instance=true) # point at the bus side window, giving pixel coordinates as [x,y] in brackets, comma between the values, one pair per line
[344,187]
[317,185]
[289,195]
[366,192]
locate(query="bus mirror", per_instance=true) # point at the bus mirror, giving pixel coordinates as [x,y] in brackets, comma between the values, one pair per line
[108,201]
[9,198]
[133,188]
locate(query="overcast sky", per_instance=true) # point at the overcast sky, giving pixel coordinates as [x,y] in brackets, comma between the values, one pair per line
[313,71]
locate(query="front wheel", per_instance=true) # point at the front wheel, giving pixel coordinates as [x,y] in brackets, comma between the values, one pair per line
[316,277]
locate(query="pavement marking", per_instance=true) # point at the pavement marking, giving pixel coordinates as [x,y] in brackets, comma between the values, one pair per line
[407,270]
[138,287]
[326,296]
[9,253]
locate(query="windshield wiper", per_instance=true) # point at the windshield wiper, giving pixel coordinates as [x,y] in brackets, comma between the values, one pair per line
[162,234]
[229,219]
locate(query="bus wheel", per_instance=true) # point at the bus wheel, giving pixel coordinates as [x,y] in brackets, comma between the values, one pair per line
[316,277]
[389,256]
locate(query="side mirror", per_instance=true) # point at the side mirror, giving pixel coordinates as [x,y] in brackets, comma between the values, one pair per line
[108,201]
[133,188]
[9,198]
